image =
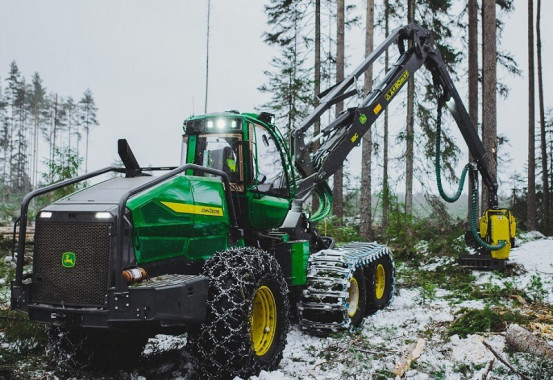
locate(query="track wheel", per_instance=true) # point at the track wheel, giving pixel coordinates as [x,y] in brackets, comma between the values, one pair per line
[357,298]
[247,317]
[380,284]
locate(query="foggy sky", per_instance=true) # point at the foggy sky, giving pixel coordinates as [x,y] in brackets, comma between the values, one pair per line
[145,63]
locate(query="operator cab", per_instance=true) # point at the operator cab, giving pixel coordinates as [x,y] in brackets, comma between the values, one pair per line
[250,150]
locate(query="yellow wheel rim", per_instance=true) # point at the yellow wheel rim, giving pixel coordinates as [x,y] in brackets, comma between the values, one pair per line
[380,281]
[353,300]
[263,320]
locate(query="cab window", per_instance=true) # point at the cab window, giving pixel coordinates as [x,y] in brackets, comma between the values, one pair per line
[269,173]
[222,152]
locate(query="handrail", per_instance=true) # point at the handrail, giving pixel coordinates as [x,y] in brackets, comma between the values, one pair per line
[25,209]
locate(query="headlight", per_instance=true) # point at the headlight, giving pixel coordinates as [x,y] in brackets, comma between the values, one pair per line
[103,215]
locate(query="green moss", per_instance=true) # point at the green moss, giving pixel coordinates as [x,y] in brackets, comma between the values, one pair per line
[473,321]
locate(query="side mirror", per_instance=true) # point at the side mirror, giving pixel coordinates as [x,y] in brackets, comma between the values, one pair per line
[261,178]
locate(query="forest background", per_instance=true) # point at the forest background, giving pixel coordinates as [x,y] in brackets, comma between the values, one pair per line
[147,68]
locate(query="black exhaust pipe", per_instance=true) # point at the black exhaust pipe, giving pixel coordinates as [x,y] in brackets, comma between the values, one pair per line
[132,169]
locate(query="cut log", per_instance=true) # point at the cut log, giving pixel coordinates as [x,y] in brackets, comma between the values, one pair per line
[413,352]
[523,340]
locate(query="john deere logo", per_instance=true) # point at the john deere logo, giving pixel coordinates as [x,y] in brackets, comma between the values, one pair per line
[68,259]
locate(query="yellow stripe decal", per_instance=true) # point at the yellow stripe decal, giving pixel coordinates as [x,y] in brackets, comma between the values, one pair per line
[193,209]
[392,91]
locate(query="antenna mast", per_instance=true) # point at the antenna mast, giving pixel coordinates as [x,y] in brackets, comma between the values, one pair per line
[207,56]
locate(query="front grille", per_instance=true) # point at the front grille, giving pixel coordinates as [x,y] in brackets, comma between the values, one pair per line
[83,284]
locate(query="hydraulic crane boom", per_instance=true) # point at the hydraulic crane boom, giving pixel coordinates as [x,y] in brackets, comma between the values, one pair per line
[345,132]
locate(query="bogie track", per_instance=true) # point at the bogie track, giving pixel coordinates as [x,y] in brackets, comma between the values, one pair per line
[358,273]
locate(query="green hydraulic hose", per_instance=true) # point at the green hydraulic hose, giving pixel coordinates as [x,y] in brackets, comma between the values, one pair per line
[474,199]
[325,197]
[475,234]
[444,196]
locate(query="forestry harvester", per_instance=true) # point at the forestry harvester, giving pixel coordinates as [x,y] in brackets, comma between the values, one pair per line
[221,247]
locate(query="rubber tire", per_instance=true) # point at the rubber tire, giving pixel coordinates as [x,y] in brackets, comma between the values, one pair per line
[357,318]
[87,349]
[373,303]
[223,346]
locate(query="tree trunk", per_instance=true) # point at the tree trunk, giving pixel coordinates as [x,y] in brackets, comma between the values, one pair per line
[34,181]
[86,153]
[366,150]
[53,139]
[531,210]
[385,189]
[338,205]
[545,177]
[489,83]
[410,129]
[317,89]
[473,79]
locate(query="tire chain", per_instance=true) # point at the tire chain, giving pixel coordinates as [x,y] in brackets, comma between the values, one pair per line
[222,348]
[328,278]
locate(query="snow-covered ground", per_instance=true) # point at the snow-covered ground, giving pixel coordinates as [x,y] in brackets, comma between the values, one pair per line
[374,350]
[387,334]
[390,331]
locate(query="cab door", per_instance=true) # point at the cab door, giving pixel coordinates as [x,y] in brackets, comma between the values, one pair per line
[269,191]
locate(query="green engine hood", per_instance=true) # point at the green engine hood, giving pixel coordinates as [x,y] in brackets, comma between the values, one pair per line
[184,216]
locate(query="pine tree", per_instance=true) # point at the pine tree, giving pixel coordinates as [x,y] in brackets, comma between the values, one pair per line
[57,124]
[38,109]
[489,82]
[365,216]
[317,83]
[410,129]
[72,121]
[472,78]
[13,82]
[543,141]
[15,155]
[338,194]
[289,81]
[385,187]
[88,118]
[3,141]
[531,211]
